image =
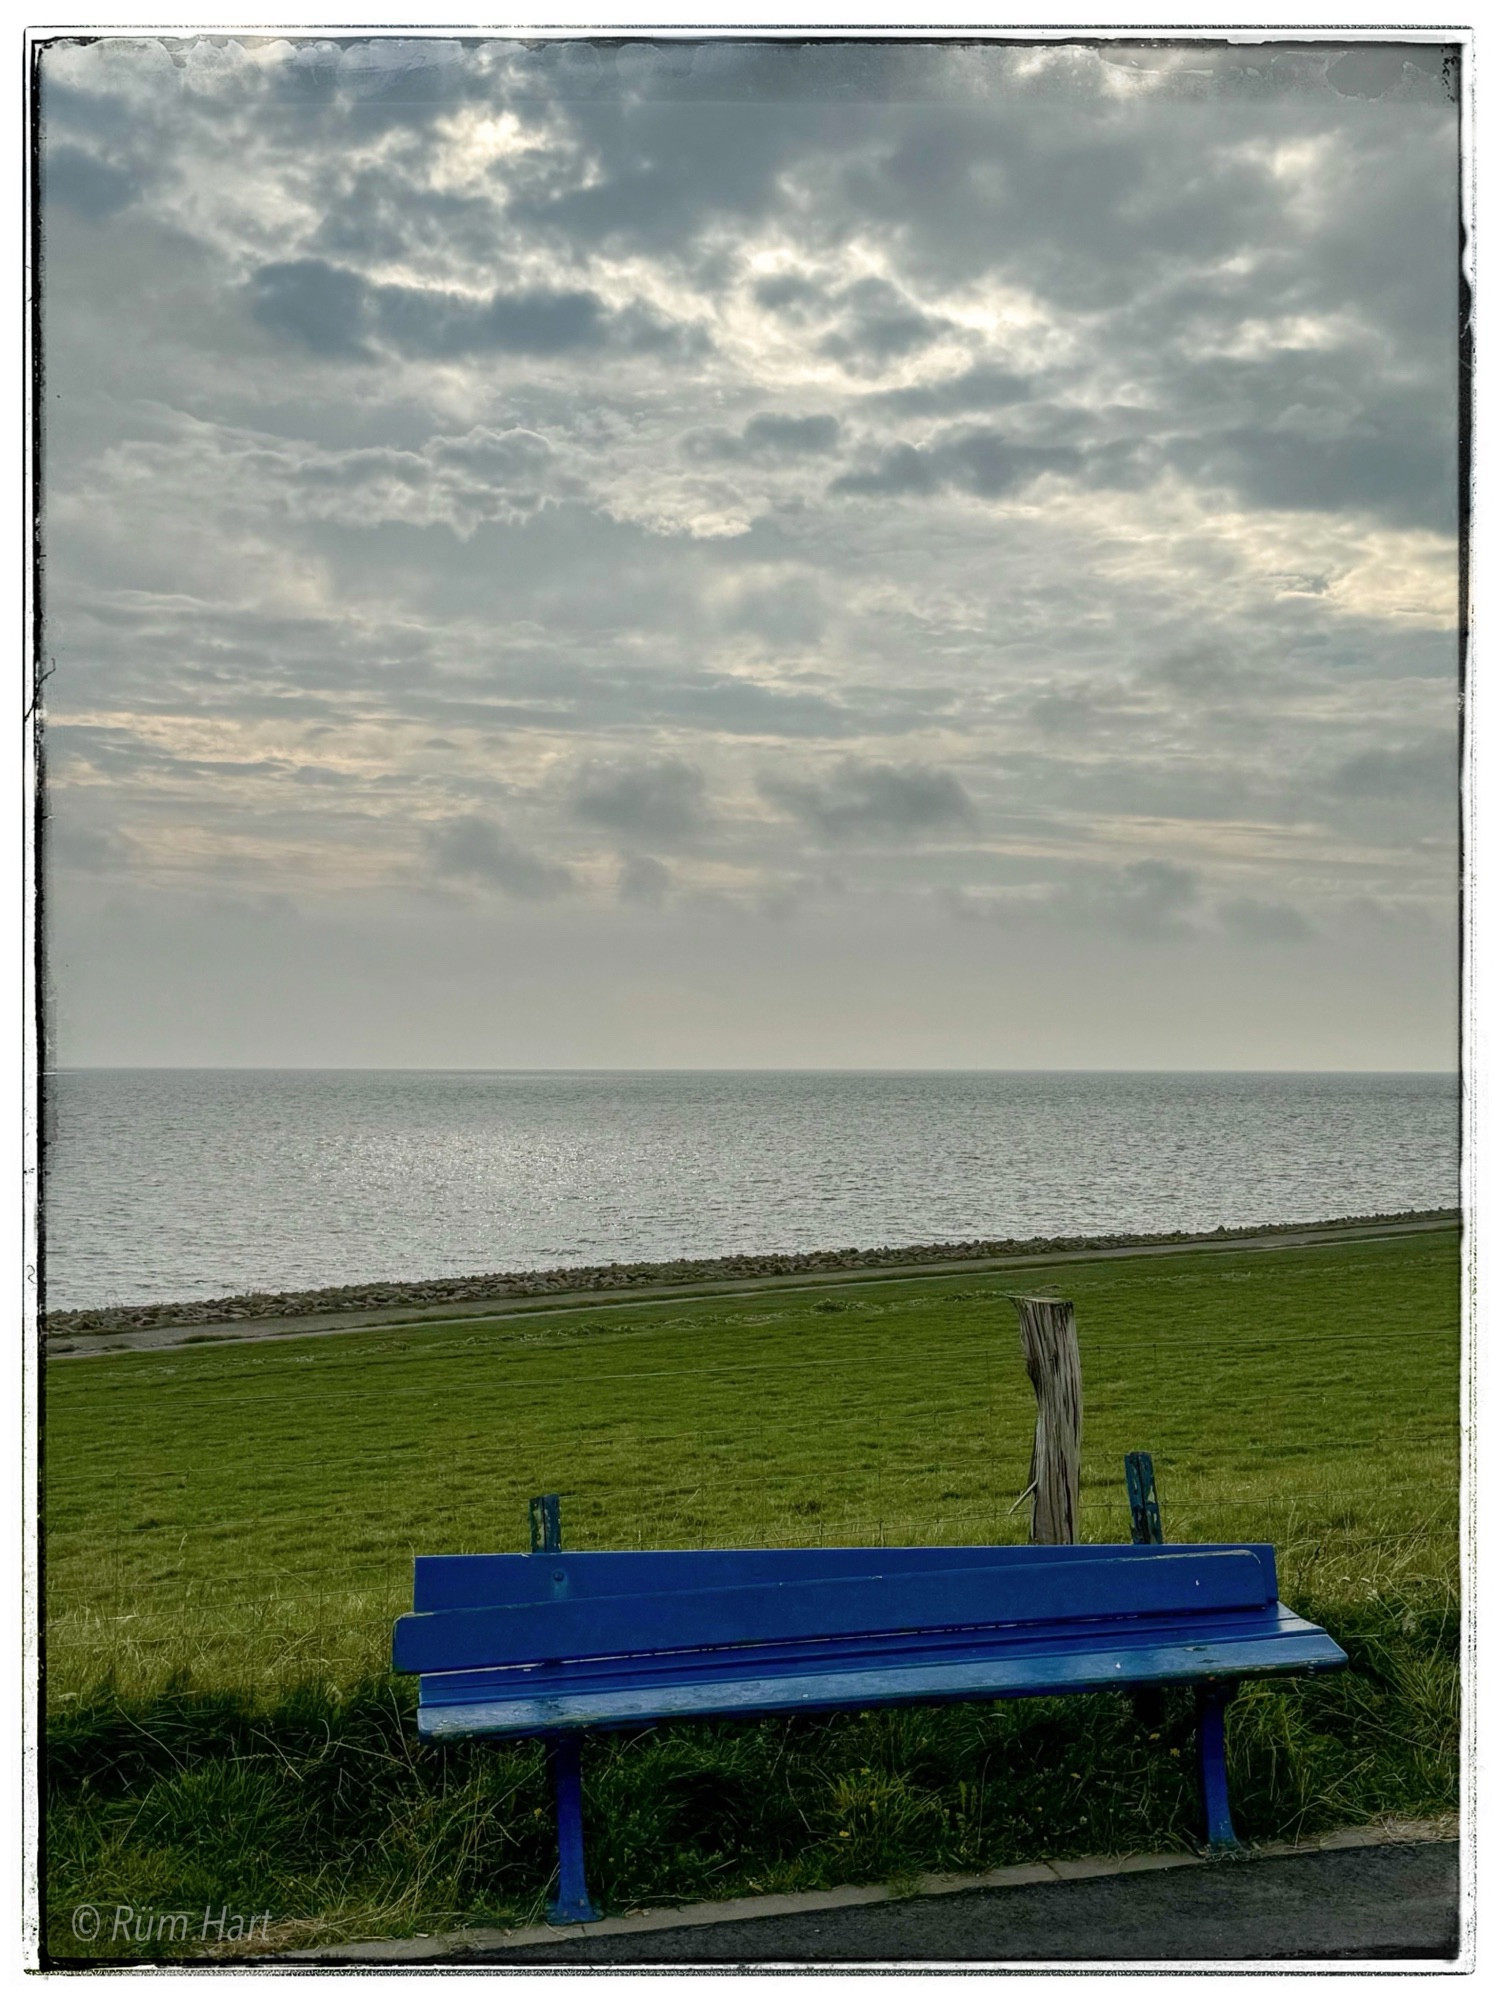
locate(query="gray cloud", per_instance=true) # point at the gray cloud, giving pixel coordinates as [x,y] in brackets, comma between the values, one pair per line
[320,304]
[659,801]
[1069,711]
[335,311]
[1147,901]
[449,326]
[766,438]
[91,186]
[1420,773]
[85,847]
[643,881]
[1262,921]
[459,481]
[1197,672]
[1385,72]
[983,386]
[475,849]
[790,611]
[981,462]
[1388,460]
[788,294]
[862,802]
[715,703]
[878,325]
[1150,900]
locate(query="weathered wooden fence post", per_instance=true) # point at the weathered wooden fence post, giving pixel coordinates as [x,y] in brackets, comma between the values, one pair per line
[1048,1338]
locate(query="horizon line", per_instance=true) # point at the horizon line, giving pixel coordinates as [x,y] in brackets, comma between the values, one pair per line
[266,1067]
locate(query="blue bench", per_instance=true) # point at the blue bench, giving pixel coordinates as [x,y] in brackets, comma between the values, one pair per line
[554,1644]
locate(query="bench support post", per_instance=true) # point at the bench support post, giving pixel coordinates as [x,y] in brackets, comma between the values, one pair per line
[546,1523]
[571,1906]
[1144,1506]
[1212,1766]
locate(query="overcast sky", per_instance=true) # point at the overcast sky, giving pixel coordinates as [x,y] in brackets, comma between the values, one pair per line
[728,556]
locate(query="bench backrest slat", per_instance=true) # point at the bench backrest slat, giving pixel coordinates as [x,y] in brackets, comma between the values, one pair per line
[1041,1589]
[511,1579]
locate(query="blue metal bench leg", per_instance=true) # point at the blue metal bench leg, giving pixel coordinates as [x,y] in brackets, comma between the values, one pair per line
[571,1906]
[1212,1766]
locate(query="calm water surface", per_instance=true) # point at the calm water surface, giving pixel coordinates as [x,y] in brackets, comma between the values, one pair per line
[171,1184]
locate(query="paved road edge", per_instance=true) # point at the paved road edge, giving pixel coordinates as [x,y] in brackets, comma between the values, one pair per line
[724,1911]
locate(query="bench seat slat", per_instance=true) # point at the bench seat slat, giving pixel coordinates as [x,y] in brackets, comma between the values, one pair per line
[766,1659]
[513,1579]
[1291,1646]
[717,1617]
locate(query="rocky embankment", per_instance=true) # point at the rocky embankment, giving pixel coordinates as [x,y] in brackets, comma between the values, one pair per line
[468,1289]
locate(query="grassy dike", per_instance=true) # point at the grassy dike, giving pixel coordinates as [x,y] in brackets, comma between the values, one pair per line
[229,1532]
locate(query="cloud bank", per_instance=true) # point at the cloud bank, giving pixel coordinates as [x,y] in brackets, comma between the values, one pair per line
[1003,495]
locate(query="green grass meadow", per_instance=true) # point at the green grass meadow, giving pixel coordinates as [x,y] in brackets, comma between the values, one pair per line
[229,1531]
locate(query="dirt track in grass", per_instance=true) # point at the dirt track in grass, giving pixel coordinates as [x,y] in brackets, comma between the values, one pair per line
[248,1319]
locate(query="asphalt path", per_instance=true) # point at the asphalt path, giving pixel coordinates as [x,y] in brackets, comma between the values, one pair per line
[1392,1902]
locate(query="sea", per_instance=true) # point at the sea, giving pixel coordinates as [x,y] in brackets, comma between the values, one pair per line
[179,1184]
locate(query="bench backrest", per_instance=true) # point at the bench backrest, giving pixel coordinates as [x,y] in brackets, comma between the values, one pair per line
[494,1610]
